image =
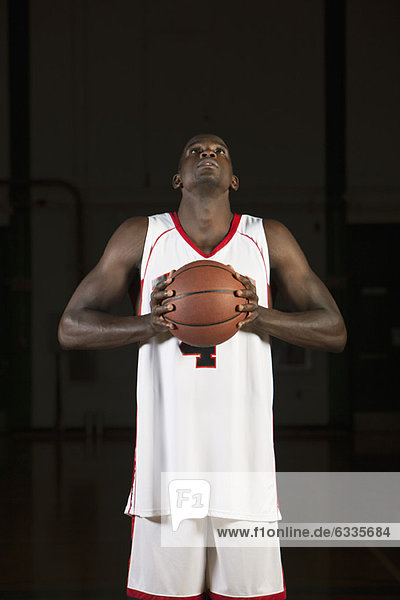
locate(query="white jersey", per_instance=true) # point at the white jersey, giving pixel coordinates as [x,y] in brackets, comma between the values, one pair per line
[206,413]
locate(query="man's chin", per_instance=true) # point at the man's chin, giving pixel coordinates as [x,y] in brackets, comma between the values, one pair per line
[208,179]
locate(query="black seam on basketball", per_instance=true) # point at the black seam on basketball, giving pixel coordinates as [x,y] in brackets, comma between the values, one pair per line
[168,318]
[205,266]
[172,298]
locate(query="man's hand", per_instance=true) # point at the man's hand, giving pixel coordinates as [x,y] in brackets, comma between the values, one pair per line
[157,321]
[251,308]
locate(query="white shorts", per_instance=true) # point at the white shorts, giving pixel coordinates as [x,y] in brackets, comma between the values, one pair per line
[158,572]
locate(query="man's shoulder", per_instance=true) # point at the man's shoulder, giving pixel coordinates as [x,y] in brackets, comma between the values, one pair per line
[279,239]
[134,224]
[274,225]
[127,241]
[274,230]
[133,231]
[271,224]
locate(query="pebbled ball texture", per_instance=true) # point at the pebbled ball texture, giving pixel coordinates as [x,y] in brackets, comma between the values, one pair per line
[205,303]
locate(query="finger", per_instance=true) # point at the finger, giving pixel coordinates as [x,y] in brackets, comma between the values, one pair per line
[247,320]
[161,285]
[162,324]
[164,282]
[162,309]
[171,275]
[250,307]
[167,324]
[159,296]
[248,283]
[241,277]
[247,293]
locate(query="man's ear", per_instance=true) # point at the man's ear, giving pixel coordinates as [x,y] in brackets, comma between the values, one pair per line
[177,182]
[234,183]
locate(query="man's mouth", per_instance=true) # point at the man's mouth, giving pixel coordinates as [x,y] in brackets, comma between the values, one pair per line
[207,162]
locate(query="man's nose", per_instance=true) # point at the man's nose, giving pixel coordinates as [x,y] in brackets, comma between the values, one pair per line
[208,152]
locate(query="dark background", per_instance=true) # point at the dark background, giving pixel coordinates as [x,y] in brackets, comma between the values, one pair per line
[97,100]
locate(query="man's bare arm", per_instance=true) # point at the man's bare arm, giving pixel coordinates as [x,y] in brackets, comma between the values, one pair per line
[316,321]
[86,322]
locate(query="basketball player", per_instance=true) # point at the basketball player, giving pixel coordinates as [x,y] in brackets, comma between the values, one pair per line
[203,410]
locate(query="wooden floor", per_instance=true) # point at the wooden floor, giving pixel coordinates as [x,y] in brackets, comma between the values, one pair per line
[63,534]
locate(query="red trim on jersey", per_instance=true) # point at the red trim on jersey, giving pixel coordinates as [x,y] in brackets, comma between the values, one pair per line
[133,500]
[141,296]
[147,264]
[146,596]
[231,233]
[262,256]
[133,526]
[130,557]
[283,579]
[276,484]
[152,248]
[276,596]
[134,461]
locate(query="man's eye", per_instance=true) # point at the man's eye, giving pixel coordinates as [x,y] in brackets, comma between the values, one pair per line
[220,150]
[195,150]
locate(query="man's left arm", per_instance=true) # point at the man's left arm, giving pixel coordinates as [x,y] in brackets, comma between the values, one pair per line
[315,320]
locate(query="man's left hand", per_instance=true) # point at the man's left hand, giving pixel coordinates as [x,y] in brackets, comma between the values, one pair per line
[251,308]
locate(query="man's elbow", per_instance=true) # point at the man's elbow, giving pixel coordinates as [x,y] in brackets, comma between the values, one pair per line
[65,339]
[339,341]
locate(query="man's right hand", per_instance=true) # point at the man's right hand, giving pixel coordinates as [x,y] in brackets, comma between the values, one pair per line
[159,293]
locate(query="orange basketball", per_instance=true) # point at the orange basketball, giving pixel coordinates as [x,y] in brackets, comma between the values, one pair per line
[205,303]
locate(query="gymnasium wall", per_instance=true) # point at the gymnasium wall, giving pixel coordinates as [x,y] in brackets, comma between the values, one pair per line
[117,88]
[4,172]
[4,130]
[373,123]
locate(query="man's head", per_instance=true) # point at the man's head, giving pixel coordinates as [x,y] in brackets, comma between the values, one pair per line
[205,161]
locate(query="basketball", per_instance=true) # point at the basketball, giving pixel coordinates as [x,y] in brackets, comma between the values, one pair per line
[205,303]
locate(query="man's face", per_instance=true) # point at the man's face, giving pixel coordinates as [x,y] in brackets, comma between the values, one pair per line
[205,161]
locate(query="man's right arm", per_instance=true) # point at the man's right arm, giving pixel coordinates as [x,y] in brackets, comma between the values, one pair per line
[87,323]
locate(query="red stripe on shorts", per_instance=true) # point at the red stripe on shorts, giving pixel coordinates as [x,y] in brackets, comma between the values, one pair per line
[277,596]
[146,596]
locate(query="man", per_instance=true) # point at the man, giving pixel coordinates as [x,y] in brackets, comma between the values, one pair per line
[203,411]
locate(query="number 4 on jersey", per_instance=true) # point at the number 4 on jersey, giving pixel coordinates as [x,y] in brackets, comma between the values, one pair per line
[206,357]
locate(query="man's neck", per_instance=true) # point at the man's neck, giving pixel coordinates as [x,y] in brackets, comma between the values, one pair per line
[206,221]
